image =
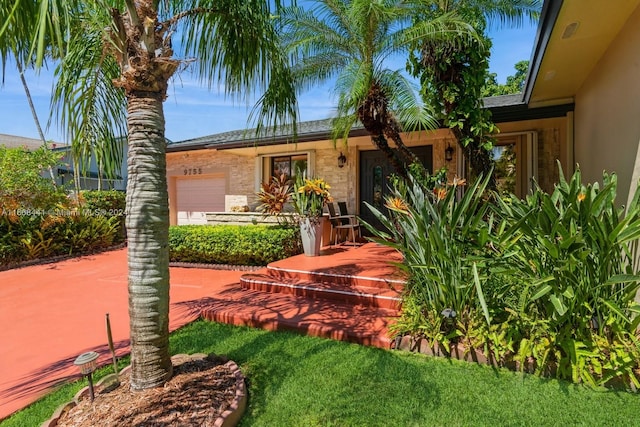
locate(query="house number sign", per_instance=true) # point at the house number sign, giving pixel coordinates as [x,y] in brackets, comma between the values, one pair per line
[193,171]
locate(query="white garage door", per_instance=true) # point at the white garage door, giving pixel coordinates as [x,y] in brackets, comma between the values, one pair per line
[196,196]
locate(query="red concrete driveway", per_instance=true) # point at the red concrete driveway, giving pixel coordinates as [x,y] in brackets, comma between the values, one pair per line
[51,313]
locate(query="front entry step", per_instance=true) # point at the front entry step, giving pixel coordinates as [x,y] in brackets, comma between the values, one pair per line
[348,293]
[359,324]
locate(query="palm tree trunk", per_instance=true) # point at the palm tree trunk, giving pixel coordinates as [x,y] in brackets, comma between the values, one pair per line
[382,144]
[392,131]
[147,224]
[34,114]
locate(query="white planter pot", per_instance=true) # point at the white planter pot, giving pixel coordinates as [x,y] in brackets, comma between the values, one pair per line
[311,233]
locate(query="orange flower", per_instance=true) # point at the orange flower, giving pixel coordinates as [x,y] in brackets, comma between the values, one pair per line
[440,193]
[397,204]
[458,182]
[581,197]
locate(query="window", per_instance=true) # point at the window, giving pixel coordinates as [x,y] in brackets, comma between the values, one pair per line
[268,166]
[515,158]
[289,165]
[505,159]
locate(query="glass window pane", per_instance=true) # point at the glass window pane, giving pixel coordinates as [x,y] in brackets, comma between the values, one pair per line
[377,187]
[299,165]
[281,165]
[504,157]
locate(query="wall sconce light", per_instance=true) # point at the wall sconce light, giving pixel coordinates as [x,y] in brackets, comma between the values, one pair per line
[448,153]
[87,364]
[342,160]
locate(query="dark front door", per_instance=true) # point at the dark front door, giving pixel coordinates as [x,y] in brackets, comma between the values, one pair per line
[374,179]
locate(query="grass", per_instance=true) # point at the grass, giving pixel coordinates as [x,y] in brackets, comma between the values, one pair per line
[296,380]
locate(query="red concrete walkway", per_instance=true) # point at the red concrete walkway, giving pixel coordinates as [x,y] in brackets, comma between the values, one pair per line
[49,314]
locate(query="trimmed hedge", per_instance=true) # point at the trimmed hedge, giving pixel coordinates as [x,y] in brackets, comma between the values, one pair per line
[233,244]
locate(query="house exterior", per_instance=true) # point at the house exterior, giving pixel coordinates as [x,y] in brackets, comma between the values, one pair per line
[586,52]
[14,141]
[581,104]
[91,178]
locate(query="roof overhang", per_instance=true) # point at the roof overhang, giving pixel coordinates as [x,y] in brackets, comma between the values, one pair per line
[572,37]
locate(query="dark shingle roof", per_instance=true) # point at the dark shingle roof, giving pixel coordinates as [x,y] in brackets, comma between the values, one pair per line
[504,108]
[312,130]
[503,101]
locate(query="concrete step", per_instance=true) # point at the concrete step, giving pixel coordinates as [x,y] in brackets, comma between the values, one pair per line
[338,276]
[342,291]
[360,324]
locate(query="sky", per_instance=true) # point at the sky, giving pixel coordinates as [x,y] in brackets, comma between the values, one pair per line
[192,111]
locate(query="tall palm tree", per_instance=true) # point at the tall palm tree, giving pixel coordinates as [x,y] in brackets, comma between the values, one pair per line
[454,72]
[14,44]
[355,42]
[117,51]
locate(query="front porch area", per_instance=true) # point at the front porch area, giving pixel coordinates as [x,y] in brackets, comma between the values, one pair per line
[346,293]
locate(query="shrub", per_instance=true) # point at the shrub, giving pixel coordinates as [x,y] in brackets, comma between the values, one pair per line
[231,244]
[549,281]
[442,241]
[275,195]
[38,220]
[29,237]
[106,203]
[574,253]
[22,179]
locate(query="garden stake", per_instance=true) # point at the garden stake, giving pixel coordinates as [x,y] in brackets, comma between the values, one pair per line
[110,339]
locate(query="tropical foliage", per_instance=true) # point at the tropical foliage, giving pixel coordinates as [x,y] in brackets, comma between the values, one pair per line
[548,282]
[453,72]
[22,182]
[274,195]
[514,83]
[355,42]
[107,203]
[34,234]
[309,196]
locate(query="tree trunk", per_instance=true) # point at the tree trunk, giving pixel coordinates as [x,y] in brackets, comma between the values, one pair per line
[382,144]
[147,224]
[35,115]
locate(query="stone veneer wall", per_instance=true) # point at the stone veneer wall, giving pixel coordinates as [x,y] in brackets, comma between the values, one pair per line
[239,172]
[342,180]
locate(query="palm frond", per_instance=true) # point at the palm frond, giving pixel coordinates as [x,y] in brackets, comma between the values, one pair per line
[89,108]
[405,100]
[237,48]
[511,13]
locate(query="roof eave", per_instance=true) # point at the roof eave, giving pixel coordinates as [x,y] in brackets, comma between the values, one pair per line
[548,17]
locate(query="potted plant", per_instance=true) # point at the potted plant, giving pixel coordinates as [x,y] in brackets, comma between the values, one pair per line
[309,197]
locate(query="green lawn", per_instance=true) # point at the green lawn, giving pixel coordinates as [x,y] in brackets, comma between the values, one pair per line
[301,381]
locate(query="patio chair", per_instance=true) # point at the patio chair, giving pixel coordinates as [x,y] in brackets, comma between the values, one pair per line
[348,223]
[342,207]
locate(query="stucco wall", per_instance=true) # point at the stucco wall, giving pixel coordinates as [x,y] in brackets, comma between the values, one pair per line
[607,115]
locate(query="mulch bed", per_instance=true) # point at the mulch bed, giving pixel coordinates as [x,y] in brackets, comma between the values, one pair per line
[198,394]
